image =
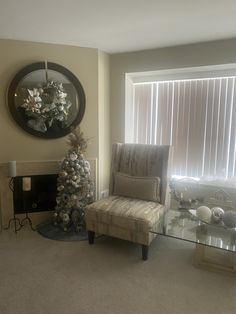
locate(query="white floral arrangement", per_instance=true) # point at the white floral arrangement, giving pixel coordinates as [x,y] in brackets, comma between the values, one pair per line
[46,105]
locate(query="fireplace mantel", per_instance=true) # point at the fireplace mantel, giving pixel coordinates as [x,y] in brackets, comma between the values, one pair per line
[27,168]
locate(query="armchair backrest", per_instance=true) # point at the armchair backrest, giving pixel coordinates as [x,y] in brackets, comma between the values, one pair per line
[141,160]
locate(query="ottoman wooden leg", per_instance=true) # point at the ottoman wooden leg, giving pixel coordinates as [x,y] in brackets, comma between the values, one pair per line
[145,252]
[91,235]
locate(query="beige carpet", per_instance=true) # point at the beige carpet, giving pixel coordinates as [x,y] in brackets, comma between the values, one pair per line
[38,275]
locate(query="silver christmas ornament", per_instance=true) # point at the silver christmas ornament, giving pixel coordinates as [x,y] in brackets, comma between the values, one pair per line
[65,217]
[87,169]
[58,199]
[217,214]
[60,187]
[73,156]
[63,174]
[74,197]
[87,164]
[229,219]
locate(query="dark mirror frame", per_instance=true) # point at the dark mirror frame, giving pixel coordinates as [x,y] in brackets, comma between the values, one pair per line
[17,116]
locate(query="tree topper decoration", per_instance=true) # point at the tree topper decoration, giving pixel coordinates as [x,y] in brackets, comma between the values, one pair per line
[76,141]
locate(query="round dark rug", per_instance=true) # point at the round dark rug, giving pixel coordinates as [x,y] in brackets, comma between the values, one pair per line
[50,231]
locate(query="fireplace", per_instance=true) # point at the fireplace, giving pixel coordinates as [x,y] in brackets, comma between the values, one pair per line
[40,196]
[31,169]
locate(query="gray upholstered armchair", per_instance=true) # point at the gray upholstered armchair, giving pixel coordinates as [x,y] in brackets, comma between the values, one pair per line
[138,190]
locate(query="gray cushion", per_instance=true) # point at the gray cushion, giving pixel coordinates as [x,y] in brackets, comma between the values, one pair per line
[145,188]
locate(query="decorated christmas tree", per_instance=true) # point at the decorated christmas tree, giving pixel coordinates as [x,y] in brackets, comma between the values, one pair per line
[74,185]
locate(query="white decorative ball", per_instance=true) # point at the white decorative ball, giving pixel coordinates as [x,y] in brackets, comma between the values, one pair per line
[73,156]
[58,199]
[60,188]
[65,217]
[229,219]
[217,214]
[63,174]
[204,213]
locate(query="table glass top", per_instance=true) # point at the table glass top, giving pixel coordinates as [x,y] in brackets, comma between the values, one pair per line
[182,224]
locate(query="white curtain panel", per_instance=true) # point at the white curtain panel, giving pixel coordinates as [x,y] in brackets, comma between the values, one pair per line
[197,117]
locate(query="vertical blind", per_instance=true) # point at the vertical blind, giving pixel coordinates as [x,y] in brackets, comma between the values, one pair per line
[197,117]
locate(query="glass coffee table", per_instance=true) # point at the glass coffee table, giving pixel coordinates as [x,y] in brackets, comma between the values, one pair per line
[184,225]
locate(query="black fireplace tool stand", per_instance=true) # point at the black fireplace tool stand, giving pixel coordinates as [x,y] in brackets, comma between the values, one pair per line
[18,224]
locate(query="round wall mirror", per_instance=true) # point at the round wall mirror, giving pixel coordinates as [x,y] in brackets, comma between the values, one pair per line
[46,100]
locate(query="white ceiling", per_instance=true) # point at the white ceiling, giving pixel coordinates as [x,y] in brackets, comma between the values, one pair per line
[118,25]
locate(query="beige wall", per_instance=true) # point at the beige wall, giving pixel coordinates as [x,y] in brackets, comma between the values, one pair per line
[212,53]
[18,145]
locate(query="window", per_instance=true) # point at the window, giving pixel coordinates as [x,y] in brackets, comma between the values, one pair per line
[196,115]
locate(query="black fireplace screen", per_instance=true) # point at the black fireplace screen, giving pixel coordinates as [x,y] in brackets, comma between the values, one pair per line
[40,195]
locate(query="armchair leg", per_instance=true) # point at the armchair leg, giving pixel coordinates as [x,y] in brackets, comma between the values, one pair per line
[145,252]
[91,235]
